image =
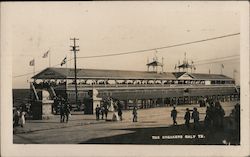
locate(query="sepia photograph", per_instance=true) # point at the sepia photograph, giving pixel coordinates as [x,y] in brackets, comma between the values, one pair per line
[114,78]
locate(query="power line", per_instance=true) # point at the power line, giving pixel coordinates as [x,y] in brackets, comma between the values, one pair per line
[158,48]
[142,51]
[227,57]
[194,64]
[219,61]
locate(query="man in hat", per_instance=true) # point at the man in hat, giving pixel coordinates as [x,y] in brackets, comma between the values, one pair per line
[174,115]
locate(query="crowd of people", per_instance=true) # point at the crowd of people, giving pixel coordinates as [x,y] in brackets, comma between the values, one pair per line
[214,118]
[116,110]
[19,115]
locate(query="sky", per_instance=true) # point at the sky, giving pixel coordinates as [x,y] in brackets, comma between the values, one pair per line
[32,28]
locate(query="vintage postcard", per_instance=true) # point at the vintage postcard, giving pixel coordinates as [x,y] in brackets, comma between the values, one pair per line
[148,78]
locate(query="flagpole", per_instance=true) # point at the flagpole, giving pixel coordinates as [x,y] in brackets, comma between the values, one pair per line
[221,69]
[222,66]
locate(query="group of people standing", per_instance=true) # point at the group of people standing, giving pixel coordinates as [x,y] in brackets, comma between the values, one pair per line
[194,116]
[64,109]
[117,112]
[214,115]
[188,116]
[103,110]
[19,116]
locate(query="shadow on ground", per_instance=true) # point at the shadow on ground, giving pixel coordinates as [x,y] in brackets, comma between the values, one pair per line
[145,136]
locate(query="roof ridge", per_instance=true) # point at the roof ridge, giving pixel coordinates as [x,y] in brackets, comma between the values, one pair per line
[105,69]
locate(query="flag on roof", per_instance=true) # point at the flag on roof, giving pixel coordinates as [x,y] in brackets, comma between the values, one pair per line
[32,62]
[63,61]
[45,55]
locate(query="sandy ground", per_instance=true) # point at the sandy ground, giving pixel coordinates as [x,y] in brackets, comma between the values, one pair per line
[152,123]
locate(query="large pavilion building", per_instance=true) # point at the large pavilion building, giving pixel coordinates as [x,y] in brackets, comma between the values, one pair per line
[142,88]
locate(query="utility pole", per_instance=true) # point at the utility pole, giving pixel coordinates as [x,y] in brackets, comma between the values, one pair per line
[75,49]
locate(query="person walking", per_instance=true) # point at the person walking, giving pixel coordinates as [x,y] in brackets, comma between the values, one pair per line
[16,117]
[195,116]
[62,113]
[221,114]
[120,113]
[187,117]
[55,105]
[208,118]
[22,120]
[67,111]
[97,112]
[106,112]
[174,115]
[134,114]
[237,114]
[102,111]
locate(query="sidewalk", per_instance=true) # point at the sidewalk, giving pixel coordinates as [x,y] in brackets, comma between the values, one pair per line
[54,123]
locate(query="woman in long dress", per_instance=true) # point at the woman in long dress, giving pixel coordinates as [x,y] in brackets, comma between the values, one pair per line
[115,113]
[22,120]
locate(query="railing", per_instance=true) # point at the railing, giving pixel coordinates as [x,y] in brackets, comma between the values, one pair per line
[145,85]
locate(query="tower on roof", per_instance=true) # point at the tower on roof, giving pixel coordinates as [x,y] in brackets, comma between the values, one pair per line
[185,66]
[155,64]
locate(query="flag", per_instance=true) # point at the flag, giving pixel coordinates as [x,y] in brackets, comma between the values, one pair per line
[45,55]
[32,62]
[222,66]
[63,61]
